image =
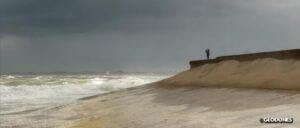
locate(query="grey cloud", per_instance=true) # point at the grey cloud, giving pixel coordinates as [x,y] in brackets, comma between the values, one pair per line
[96,35]
[69,16]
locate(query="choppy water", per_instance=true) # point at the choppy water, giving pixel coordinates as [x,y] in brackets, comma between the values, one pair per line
[23,94]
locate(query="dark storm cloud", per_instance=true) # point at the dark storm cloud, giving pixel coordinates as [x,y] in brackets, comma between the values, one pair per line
[96,35]
[69,16]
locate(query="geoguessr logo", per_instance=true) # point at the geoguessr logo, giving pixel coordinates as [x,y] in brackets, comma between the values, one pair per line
[276,120]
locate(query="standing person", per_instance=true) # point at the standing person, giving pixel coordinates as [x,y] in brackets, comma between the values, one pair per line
[207,51]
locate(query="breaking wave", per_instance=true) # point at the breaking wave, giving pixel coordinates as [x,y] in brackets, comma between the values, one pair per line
[39,90]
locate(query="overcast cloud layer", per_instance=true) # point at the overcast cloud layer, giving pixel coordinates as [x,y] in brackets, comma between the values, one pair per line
[139,35]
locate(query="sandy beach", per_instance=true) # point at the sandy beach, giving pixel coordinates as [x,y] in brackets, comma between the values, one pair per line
[227,94]
[156,107]
[222,95]
[149,64]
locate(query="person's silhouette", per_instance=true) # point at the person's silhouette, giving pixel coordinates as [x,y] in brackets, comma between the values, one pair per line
[207,51]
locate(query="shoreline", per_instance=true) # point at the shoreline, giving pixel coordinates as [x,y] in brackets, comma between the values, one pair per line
[229,93]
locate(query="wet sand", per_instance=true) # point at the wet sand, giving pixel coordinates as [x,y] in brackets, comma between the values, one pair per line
[156,106]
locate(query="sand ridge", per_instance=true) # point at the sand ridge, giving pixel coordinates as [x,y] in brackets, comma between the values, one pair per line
[261,73]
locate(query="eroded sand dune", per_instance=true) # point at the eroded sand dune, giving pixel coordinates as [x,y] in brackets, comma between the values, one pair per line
[260,73]
[187,101]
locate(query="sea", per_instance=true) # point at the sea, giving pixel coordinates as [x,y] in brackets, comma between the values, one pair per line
[23,95]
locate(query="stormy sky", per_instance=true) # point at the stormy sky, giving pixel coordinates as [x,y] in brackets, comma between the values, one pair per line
[139,35]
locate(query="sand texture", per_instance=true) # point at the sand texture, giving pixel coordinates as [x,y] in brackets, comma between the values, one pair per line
[260,73]
[157,107]
[227,94]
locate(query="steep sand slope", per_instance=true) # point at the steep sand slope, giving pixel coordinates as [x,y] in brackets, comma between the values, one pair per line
[260,73]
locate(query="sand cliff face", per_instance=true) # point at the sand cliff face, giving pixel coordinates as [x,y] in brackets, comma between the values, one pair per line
[267,73]
[280,55]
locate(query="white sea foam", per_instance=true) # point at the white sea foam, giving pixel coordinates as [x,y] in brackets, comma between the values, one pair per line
[61,89]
